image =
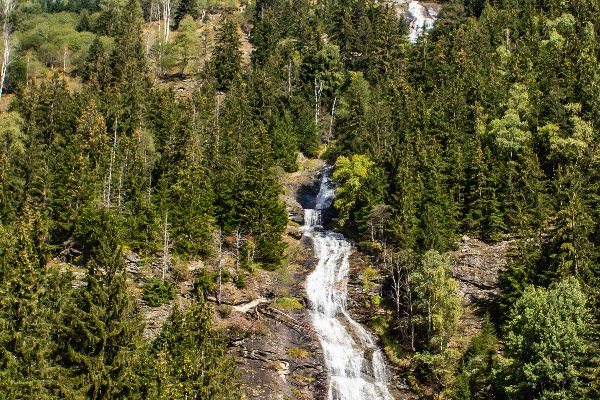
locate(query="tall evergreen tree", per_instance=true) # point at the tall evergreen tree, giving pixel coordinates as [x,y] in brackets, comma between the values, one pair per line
[190,359]
[99,333]
[226,60]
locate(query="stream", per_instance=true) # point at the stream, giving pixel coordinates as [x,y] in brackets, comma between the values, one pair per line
[354,363]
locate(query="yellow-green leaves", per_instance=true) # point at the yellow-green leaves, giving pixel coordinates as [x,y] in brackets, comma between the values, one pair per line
[348,174]
[437,298]
[511,132]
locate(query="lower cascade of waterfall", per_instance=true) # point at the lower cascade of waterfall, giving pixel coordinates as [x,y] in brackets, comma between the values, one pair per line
[354,362]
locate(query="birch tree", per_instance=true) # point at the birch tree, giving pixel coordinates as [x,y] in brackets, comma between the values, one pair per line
[166,19]
[437,300]
[7,7]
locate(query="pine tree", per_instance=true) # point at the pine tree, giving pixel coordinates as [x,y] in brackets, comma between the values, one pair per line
[192,200]
[437,302]
[96,66]
[129,69]
[32,298]
[99,333]
[84,24]
[186,7]
[191,359]
[226,59]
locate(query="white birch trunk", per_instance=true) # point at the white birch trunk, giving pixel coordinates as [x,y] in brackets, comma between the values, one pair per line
[166,11]
[112,161]
[165,246]
[7,8]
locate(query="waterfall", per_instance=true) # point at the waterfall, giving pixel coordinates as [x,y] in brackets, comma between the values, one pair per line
[421,17]
[354,362]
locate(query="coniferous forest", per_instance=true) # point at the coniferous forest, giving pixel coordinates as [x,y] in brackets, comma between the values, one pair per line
[165,127]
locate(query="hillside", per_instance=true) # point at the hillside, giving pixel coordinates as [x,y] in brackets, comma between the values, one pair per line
[158,159]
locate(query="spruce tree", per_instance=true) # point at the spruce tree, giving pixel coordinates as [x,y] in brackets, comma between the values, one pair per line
[190,359]
[99,334]
[227,58]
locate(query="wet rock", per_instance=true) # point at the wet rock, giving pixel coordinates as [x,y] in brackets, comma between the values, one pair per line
[278,361]
[295,232]
[295,215]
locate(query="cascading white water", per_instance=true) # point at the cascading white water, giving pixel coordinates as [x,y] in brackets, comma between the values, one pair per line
[354,363]
[420,18]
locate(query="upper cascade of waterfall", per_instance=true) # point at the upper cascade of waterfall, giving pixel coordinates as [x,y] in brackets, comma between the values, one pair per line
[324,199]
[354,363]
[420,15]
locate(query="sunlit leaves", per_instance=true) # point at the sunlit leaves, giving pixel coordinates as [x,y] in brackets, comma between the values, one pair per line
[349,174]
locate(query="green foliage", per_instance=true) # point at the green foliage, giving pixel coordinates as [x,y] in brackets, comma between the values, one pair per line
[486,127]
[475,375]
[437,303]
[189,359]
[439,369]
[547,342]
[298,352]
[187,42]
[349,174]
[226,59]
[157,292]
[288,304]
[102,327]
[51,41]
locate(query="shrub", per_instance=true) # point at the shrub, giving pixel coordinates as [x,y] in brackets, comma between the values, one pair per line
[288,303]
[157,292]
[298,353]
[240,282]
[224,310]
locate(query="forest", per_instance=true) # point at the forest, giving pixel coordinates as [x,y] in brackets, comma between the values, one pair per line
[163,127]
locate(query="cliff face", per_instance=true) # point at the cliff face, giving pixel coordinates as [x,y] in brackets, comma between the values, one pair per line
[476,265]
[279,355]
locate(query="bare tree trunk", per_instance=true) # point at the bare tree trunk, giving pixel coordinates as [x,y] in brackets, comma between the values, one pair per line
[220,264]
[237,250]
[27,69]
[166,19]
[112,161]
[410,314]
[239,239]
[289,80]
[7,8]
[65,58]
[331,121]
[165,246]
[318,92]
[147,43]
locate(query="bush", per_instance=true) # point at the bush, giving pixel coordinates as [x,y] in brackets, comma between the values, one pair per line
[158,292]
[224,310]
[240,282]
[298,353]
[288,304]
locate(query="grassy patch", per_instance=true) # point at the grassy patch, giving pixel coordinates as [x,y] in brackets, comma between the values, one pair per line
[298,352]
[288,304]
